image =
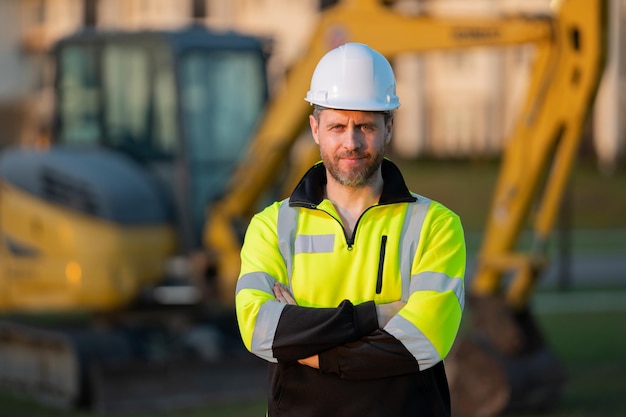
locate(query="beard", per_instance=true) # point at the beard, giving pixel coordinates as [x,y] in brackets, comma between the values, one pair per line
[356,177]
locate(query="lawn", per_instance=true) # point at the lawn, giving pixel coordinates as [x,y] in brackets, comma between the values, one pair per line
[595,200]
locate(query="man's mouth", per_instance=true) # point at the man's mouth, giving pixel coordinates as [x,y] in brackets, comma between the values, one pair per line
[352,157]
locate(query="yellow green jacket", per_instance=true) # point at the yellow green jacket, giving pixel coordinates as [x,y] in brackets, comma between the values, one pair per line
[406,247]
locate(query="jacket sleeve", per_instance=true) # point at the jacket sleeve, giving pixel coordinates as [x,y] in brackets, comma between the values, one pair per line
[422,333]
[377,355]
[275,331]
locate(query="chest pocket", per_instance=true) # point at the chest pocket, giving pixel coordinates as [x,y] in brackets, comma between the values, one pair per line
[290,244]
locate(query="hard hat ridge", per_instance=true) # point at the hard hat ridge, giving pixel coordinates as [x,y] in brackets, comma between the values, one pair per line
[354,77]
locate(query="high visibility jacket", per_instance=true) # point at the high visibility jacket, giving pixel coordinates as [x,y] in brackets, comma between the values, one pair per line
[407,248]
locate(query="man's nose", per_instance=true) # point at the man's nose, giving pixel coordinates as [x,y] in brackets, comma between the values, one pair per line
[353,138]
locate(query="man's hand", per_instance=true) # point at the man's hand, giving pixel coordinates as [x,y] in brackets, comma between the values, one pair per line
[312,361]
[282,294]
[385,312]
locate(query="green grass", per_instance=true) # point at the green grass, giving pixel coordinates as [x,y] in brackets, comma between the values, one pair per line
[595,200]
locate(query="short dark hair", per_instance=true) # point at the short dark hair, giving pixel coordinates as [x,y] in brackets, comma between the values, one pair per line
[317,109]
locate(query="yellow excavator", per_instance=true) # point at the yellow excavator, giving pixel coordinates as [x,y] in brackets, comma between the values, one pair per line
[102,279]
[163,148]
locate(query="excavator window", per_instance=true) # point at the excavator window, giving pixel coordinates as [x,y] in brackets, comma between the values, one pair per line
[78,95]
[222,98]
[114,95]
[126,80]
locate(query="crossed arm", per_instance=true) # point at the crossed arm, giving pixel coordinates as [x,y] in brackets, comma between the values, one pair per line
[384,313]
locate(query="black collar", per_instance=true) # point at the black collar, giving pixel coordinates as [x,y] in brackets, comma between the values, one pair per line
[310,189]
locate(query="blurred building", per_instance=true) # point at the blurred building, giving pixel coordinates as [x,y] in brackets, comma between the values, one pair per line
[466,99]
[454,104]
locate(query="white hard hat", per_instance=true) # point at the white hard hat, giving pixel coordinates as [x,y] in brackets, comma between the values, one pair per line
[354,77]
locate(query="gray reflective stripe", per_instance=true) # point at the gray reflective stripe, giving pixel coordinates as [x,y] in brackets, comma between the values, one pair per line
[286,229]
[414,340]
[411,230]
[256,281]
[437,281]
[314,244]
[265,329]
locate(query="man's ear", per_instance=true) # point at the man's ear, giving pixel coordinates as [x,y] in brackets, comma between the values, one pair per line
[389,130]
[314,128]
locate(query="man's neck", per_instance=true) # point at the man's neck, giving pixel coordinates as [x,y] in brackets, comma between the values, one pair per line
[351,202]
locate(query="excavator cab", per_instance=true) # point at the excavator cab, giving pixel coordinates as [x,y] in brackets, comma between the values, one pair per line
[183,104]
[148,127]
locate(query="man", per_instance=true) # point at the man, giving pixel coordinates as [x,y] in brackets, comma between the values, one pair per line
[352,288]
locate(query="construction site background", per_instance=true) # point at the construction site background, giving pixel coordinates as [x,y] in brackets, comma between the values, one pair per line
[458,104]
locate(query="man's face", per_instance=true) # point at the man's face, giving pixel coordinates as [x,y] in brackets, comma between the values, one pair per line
[352,144]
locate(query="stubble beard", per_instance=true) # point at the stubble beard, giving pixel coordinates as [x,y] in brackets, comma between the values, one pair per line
[358,177]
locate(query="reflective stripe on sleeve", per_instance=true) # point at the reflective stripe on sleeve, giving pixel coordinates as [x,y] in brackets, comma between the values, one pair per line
[265,329]
[414,340]
[437,281]
[411,230]
[286,230]
[412,337]
[256,281]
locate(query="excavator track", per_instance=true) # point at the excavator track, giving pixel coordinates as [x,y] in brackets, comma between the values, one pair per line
[40,363]
[99,369]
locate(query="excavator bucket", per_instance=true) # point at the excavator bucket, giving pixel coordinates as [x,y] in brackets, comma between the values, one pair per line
[502,363]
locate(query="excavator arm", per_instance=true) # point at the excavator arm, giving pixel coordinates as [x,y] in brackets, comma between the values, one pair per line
[504,364]
[569,56]
[364,21]
[543,146]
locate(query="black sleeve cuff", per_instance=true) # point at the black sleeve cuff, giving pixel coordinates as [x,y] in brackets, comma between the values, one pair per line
[365,318]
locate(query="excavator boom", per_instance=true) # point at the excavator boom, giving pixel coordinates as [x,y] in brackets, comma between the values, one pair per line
[365,21]
[569,54]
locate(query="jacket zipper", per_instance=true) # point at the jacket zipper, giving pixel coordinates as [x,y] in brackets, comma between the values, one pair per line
[381,264]
[349,239]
